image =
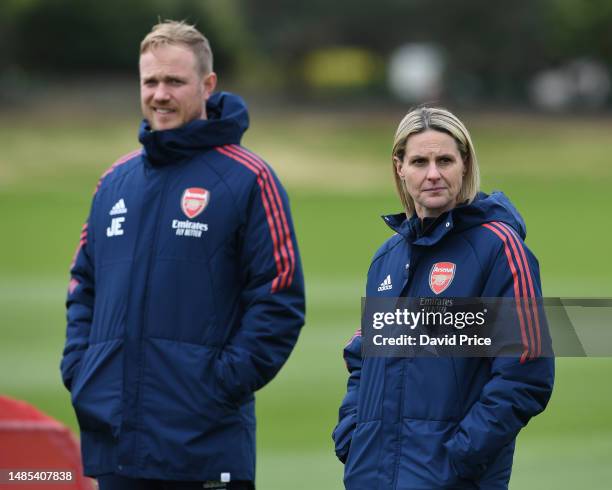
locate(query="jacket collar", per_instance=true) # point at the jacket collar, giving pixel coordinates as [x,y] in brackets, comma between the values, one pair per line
[483,209]
[227,121]
[412,230]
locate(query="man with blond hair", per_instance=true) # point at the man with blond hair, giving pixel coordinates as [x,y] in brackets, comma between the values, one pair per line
[186,292]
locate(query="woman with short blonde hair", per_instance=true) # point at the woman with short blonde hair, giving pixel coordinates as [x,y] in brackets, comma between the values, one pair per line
[428,420]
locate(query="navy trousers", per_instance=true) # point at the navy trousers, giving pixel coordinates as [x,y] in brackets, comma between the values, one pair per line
[116,482]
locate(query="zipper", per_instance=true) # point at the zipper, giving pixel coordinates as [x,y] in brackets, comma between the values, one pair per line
[145,309]
[398,449]
[403,293]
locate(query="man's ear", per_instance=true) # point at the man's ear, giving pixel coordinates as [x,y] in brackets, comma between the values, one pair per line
[210,83]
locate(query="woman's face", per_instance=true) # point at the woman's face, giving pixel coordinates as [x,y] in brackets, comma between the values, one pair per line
[433,172]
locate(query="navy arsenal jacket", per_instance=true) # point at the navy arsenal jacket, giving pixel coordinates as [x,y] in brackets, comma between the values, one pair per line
[186,296]
[433,423]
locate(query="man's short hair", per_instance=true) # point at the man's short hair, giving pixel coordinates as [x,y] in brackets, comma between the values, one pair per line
[175,32]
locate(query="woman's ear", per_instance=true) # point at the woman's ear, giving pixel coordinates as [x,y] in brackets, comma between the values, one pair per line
[398,167]
[466,164]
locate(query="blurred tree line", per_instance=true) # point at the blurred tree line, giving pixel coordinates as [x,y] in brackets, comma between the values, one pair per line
[491,48]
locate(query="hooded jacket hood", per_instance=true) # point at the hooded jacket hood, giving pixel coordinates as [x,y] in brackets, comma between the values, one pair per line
[227,121]
[484,208]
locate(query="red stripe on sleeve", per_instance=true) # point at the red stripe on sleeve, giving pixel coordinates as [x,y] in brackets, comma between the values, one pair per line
[82,241]
[72,285]
[264,198]
[524,290]
[355,335]
[287,242]
[516,289]
[120,161]
[286,248]
[534,308]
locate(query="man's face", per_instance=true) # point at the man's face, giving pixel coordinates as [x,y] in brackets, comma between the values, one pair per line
[172,91]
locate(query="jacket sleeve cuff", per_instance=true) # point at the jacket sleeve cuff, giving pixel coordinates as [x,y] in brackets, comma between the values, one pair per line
[69,368]
[462,466]
[227,371]
[343,435]
[342,453]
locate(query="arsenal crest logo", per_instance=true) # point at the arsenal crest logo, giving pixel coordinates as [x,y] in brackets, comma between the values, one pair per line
[441,276]
[194,201]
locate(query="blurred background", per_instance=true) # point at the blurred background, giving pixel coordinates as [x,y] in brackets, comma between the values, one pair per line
[327,83]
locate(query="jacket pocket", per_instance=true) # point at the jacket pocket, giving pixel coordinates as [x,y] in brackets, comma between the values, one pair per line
[424,461]
[180,386]
[187,417]
[371,389]
[97,387]
[361,469]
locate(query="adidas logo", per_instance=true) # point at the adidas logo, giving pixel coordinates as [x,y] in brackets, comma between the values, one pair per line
[118,208]
[386,284]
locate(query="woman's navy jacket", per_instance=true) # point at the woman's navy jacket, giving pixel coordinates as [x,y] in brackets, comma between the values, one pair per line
[186,296]
[433,423]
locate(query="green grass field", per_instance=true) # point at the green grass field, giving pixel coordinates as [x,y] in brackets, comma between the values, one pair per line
[337,170]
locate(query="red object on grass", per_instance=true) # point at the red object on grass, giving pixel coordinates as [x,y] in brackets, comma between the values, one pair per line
[37,451]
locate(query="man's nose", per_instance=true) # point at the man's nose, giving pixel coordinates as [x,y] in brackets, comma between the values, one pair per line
[161,93]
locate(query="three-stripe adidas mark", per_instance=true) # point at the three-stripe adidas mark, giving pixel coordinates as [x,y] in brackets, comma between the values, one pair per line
[386,284]
[118,208]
